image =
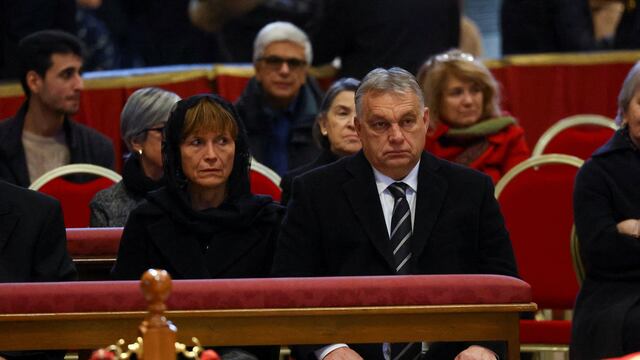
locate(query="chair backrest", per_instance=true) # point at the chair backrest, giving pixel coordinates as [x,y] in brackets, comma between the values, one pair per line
[578,266]
[75,197]
[264,181]
[536,200]
[578,135]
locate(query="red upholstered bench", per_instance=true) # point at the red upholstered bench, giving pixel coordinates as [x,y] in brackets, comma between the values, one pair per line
[270,311]
[93,242]
[94,250]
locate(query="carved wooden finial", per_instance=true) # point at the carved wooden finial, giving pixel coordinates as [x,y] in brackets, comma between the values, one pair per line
[158,334]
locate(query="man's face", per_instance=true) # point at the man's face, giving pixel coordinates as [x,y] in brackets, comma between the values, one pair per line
[61,86]
[392,130]
[282,70]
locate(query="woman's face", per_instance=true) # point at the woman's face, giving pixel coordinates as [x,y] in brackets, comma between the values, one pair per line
[207,159]
[337,125]
[632,118]
[462,102]
[151,157]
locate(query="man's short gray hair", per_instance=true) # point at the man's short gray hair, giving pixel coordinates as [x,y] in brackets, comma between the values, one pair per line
[145,108]
[630,85]
[395,80]
[281,31]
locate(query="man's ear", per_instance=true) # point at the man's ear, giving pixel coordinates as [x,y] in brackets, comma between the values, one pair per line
[357,124]
[34,81]
[425,117]
[256,71]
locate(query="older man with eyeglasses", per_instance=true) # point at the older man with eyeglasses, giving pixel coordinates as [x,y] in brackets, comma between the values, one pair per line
[281,101]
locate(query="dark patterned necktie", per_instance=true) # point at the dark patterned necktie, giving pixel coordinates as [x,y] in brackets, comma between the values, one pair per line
[400,228]
[401,232]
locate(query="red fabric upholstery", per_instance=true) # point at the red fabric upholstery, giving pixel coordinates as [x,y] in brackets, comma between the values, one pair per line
[537,95]
[75,198]
[98,296]
[231,87]
[261,184]
[537,206]
[545,332]
[580,141]
[93,241]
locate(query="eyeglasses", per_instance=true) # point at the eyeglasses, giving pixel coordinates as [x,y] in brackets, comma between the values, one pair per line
[451,56]
[275,62]
[158,129]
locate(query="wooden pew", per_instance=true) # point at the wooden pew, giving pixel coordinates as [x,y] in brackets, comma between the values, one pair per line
[90,315]
[93,250]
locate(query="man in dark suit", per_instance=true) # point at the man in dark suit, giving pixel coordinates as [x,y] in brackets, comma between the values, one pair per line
[33,246]
[393,209]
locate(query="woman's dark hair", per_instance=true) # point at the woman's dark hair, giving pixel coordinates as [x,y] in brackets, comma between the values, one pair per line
[340,85]
[238,182]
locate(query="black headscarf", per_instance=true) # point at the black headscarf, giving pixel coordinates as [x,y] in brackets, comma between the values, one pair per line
[135,180]
[239,209]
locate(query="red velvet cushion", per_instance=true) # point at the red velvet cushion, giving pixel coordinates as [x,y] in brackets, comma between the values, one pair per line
[93,241]
[545,332]
[267,293]
[538,211]
[75,198]
[580,141]
[261,184]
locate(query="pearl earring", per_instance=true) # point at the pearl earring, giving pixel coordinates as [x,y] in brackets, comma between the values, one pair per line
[140,152]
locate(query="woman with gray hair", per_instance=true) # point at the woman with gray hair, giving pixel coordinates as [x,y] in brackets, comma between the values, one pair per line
[606,206]
[333,130]
[141,124]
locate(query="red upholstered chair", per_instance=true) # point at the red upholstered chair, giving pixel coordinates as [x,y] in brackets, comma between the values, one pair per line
[75,197]
[536,200]
[578,135]
[264,181]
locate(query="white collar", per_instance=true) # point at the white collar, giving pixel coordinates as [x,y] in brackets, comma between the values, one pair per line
[383,181]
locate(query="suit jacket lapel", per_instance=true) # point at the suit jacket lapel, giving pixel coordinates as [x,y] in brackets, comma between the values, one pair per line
[432,189]
[362,194]
[182,252]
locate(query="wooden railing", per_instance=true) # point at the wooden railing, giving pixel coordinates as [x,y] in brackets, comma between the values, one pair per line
[90,315]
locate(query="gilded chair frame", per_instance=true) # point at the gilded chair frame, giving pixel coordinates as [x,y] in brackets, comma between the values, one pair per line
[533,162]
[578,266]
[265,171]
[568,122]
[80,168]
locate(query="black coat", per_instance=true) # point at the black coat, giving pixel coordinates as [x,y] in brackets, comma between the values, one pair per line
[86,145]
[326,157]
[540,26]
[258,118]
[606,192]
[335,226]
[152,238]
[33,244]
[628,30]
[367,34]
